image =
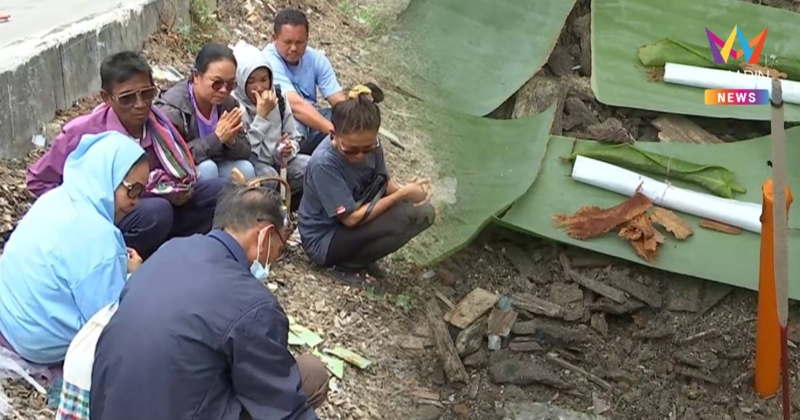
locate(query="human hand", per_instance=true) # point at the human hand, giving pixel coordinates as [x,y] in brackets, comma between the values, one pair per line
[229,125]
[415,191]
[428,188]
[178,200]
[287,150]
[265,102]
[134,260]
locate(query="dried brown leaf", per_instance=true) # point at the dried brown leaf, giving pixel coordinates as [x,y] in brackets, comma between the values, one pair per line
[643,237]
[672,223]
[591,222]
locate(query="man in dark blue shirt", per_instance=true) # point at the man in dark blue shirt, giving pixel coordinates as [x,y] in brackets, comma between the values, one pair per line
[198,336]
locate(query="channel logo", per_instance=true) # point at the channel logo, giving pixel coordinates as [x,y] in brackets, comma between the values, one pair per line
[737,96]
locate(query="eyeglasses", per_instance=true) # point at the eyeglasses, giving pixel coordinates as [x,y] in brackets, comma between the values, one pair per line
[135,190]
[353,152]
[129,99]
[219,84]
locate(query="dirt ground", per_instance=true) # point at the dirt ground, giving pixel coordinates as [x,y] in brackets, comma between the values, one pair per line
[670,348]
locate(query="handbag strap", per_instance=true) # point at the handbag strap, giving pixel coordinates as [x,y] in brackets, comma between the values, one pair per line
[372,203]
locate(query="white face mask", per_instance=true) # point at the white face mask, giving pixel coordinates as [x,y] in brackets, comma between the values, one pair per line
[258,270]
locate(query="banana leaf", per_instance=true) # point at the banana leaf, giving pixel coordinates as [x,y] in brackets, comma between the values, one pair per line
[470,56]
[707,254]
[716,179]
[657,54]
[620,27]
[484,165]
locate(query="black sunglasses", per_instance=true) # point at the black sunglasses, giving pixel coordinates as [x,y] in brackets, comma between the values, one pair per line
[129,99]
[219,84]
[135,190]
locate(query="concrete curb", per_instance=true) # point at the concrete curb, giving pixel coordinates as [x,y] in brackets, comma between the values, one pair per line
[41,76]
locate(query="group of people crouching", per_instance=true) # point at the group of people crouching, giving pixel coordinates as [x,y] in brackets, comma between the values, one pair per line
[134,284]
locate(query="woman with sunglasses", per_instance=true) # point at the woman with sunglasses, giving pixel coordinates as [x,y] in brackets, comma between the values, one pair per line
[67,259]
[208,117]
[353,213]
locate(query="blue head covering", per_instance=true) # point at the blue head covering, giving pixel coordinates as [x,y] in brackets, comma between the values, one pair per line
[98,166]
[66,259]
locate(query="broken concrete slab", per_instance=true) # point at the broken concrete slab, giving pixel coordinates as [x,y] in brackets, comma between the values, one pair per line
[51,54]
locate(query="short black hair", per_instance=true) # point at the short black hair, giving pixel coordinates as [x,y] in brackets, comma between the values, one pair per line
[240,208]
[121,67]
[292,17]
[358,112]
[211,53]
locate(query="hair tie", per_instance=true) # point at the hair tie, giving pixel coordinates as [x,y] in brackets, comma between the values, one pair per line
[359,90]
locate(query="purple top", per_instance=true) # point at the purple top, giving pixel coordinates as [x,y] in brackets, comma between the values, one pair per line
[47,172]
[204,125]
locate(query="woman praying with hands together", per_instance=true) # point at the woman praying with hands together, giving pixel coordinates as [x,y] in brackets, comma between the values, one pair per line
[210,120]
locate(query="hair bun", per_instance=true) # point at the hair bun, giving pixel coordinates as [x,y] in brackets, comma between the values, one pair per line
[377,93]
[370,90]
[358,91]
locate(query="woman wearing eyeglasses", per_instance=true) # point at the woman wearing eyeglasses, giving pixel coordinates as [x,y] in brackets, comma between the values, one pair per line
[67,259]
[208,117]
[354,213]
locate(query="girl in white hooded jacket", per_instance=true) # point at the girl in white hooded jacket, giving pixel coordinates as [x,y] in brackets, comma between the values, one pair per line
[267,118]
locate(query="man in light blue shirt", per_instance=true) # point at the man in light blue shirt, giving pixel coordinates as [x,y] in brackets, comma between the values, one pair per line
[299,70]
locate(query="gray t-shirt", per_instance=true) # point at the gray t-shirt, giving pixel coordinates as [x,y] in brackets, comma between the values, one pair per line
[329,190]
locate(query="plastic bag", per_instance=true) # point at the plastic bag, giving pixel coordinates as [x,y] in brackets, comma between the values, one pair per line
[12,367]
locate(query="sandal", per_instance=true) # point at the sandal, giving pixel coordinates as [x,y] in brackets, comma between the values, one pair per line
[375,270]
[357,278]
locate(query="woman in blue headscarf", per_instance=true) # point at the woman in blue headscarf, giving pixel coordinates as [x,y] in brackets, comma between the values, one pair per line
[66,259]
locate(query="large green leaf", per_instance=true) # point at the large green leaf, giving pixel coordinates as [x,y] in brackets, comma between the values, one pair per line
[729,259]
[486,165]
[621,27]
[472,55]
[668,50]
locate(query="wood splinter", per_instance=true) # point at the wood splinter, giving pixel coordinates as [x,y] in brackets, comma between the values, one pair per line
[720,227]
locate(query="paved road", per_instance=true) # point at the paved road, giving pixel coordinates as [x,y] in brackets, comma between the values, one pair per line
[32,19]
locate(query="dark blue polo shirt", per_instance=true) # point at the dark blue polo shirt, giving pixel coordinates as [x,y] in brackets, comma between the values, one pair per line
[196,336]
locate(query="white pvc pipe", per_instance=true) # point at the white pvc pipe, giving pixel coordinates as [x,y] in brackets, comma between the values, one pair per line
[705,78]
[609,177]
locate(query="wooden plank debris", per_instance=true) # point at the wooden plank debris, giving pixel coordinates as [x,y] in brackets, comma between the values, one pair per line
[469,340]
[592,284]
[679,129]
[444,299]
[500,322]
[472,307]
[530,303]
[451,362]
